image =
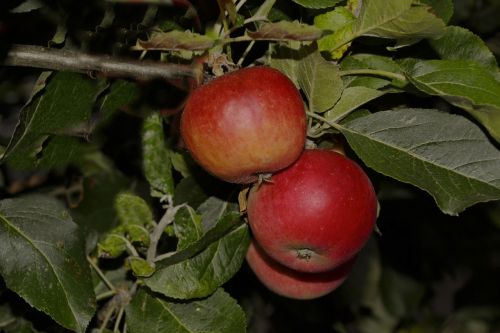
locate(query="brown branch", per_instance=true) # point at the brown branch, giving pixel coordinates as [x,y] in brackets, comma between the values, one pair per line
[73,61]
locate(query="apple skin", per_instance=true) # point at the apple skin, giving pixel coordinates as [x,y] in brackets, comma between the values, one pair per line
[294,284]
[316,214]
[245,123]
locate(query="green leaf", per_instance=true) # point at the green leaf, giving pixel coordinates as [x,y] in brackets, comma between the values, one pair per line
[442,8]
[213,209]
[464,84]
[190,191]
[96,210]
[54,121]
[460,44]
[121,95]
[28,6]
[202,274]
[446,155]
[351,99]
[320,81]
[140,266]
[317,4]
[286,30]
[224,225]
[218,313]
[133,210]
[286,60]
[412,25]
[113,245]
[182,163]
[43,260]
[156,157]
[175,40]
[333,20]
[395,19]
[187,227]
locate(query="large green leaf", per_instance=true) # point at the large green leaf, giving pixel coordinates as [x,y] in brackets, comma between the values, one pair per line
[395,19]
[43,260]
[54,123]
[201,275]
[446,155]
[218,313]
[464,84]
[461,44]
[320,81]
[156,157]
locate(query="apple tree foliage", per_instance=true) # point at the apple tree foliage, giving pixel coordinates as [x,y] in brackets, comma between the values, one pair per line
[107,225]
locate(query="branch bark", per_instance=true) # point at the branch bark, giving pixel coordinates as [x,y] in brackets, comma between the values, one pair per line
[66,60]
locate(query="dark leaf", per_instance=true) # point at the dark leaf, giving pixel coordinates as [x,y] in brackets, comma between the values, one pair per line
[218,313]
[44,260]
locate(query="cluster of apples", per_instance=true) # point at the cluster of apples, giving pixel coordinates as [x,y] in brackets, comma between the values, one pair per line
[318,209]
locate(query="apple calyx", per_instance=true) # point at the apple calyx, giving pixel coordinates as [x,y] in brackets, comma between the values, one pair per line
[305,254]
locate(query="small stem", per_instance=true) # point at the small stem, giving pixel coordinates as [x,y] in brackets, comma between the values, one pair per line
[116,328]
[166,219]
[164,256]
[248,20]
[131,249]
[105,295]
[244,38]
[101,274]
[105,322]
[375,72]
[244,55]
[323,119]
[240,4]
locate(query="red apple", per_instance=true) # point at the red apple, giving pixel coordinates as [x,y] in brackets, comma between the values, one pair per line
[245,123]
[294,284]
[316,214]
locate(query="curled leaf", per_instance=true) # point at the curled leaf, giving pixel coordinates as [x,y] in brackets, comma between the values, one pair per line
[285,30]
[175,40]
